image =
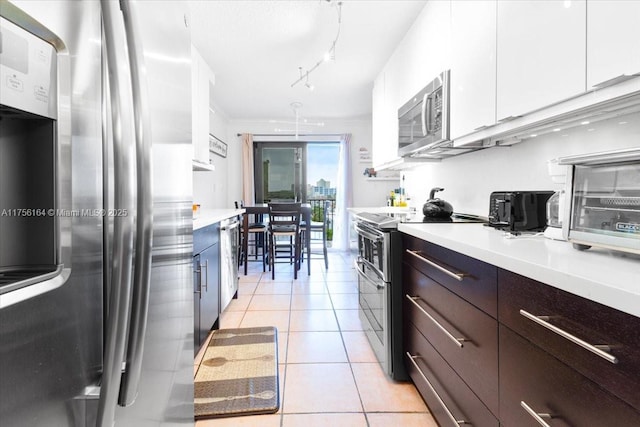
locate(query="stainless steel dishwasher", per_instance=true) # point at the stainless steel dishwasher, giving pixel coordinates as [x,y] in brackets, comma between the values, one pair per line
[229,240]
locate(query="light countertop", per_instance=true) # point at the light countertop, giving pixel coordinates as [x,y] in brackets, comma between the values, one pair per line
[211,216]
[611,278]
[380,209]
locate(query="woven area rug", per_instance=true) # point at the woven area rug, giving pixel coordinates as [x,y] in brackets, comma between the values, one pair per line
[238,374]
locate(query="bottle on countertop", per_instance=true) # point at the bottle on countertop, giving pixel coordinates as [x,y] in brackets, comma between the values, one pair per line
[392,198]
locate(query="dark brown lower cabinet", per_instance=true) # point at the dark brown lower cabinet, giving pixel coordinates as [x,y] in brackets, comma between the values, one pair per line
[449,398]
[549,358]
[551,318]
[466,337]
[534,382]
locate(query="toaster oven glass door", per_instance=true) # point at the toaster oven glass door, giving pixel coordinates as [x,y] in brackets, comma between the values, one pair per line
[606,205]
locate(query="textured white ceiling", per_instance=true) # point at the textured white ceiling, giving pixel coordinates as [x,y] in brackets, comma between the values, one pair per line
[255,48]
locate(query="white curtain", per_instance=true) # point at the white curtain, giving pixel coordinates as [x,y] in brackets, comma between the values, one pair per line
[248,193]
[344,196]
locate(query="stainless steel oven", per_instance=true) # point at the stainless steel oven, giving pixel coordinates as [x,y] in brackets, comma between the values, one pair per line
[379,297]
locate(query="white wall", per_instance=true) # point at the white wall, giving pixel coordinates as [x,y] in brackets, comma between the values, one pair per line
[220,188]
[469,179]
[227,180]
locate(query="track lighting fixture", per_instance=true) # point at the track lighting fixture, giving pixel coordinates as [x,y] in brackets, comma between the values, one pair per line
[330,55]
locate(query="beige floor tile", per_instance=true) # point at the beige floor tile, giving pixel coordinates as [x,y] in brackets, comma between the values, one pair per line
[343,287]
[269,420]
[349,320]
[269,302]
[311,302]
[251,277]
[273,288]
[284,272]
[342,276]
[401,420]
[239,304]
[324,420]
[279,319]
[316,278]
[336,265]
[325,387]
[317,266]
[283,343]
[344,301]
[308,287]
[246,288]
[316,347]
[358,348]
[281,378]
[381,394]
[231,319]
[313,320]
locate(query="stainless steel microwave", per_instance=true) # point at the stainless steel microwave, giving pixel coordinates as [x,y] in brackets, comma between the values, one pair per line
[423,122]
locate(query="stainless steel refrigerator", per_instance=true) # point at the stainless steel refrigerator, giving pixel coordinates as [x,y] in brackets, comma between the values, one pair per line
[96,302]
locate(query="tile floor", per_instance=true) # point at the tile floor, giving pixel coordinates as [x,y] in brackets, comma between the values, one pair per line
[328,372]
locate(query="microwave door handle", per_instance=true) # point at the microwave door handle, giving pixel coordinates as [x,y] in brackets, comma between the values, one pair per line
[430,113]
[425,127]
[144,208]
[120,286]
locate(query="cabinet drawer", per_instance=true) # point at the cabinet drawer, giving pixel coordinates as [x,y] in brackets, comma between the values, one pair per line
[546,385]
[571,328]
[205,237]
[448,397]
[465,337]
[471,279]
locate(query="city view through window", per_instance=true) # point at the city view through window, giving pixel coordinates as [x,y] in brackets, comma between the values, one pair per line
[305,172]
[322,170]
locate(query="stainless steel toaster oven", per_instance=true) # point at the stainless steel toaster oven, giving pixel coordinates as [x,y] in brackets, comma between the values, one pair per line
[604,202]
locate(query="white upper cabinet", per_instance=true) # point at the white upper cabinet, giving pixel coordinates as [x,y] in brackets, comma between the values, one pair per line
[473,65]
[613,40]
[541,54]
[420,57]
[425,52]
[202,78]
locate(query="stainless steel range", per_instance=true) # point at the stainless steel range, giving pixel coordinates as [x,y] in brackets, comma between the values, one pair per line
[380,298]
[379,267]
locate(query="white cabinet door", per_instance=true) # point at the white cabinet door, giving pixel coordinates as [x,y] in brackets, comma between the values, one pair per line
[541,54]
[425,51]
[202,78]
[613,39]
[473,65]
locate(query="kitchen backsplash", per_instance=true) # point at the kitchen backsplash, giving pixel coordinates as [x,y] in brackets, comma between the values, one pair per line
[469,179]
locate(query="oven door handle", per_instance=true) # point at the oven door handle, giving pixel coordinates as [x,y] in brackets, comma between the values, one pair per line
[374,235]
[357,265]
[363,261]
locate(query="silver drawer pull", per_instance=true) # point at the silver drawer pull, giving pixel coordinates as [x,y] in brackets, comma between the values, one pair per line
[456,341]
[457,276]
[540,320]
[435,393]
[535,415]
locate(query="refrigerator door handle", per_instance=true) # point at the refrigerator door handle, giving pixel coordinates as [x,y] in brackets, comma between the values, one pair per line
[144,218]
[120,287]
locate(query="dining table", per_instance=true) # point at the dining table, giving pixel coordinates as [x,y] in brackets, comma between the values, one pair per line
[263,209]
